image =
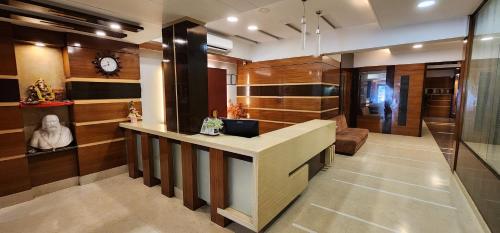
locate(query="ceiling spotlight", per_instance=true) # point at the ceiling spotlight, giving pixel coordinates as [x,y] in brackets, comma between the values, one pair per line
[253,28]
[163,45]
[465,41]
[115,26]
[166,60]
[77,44]
[39,44]
[180,41]
[418,46]
[426,3]
[487,38]
[232,19]
[100,33]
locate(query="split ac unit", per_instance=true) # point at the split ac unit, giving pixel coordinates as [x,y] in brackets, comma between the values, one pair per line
[217,44]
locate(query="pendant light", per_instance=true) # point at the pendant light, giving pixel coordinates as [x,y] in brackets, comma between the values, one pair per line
[303,25]
[318,36]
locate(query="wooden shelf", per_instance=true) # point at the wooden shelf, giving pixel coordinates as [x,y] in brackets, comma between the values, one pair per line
[48,104]
[70,147]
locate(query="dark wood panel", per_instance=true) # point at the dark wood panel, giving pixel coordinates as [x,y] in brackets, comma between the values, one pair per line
[31,35]
[9,90]
[299,117]
[189,177]
[91,42]
[300,73]
[11,118]
[131,150]
[292,61]
[52,167]
[147,161]
[316,164]
[329,103]
[438,111]
[98,132]
[97,90]
[7,52]
[166,167]
[101,157]
[79,64]
[268,102]
[330,114]
[217,91]
[14,176]
[102,111]
[269,115]
[12,144]
[169,83]
[218,186]
[311,104]
[265,127]
[331,75]
[371,122]
[289,90]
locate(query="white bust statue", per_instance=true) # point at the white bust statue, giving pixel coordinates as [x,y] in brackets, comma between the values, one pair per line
[52,135]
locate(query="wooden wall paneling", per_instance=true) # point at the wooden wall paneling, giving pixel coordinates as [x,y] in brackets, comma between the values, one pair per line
[346,87]
[131,150]
[32,35]
[98,132]
[217,91]
[7,53]
[331,74]
[12,144]
[96,43]
[266,102]
[102,111]
[415,93]
[10,90]
[166,167]
[14,176]
[189,177]
[265,126]
[79,63]
[52,167]
[76,90]
[11,117]
[147,161]
[100,157]
[218,186]
[299,117]
[327,115]
[309,104]
[270,115]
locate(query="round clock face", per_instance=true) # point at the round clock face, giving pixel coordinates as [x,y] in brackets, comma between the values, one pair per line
[108,64]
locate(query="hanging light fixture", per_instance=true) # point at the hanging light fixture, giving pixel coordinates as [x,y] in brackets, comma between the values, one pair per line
[304,25]
[318,36]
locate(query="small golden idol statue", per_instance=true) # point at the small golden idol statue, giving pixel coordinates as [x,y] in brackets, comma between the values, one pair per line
[39,92]
[133,114]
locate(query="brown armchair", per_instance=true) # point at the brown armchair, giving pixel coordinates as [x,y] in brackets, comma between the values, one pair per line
[348,140]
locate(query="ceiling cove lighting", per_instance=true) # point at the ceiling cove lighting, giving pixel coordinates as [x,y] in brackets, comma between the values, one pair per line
[487,38]
[180,41]
[100,33]
[426,3]
[418,46]
[115,26]
[163,45]
[253,28]
[232,19]
[39,44]
[77,44]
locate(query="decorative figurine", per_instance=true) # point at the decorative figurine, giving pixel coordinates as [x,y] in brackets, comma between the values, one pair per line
[39,92]
[236,111]
[211,125]
[133,114]
[51,135]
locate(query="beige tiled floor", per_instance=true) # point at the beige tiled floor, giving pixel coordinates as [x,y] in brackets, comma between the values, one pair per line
[393,184]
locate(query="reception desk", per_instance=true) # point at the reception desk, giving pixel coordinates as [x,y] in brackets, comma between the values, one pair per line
[277,163]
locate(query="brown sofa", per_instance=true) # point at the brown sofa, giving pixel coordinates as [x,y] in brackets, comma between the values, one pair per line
[348,140]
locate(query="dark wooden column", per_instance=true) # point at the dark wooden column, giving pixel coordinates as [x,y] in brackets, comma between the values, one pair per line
[166,167]
[133,169]
[189,177]
[218,186]
[147,161]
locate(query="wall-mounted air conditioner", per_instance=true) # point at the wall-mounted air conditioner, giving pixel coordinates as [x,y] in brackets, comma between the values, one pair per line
[217,44]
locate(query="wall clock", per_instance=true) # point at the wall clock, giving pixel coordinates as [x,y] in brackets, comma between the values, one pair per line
[108,65]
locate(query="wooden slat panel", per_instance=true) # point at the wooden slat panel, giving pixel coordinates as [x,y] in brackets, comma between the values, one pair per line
[147,161]
[14,176]
[11,118]
[102,111]
[301,73]
[77,90]
[189,177]
[330,114]
[268,102]
[79,64]
[99,132]
[12,144]
[331,74]
[218,186]
[265,127]
[302,104]
[299,117]
[49,168]
[329,103]
[265,115]
[7,52]
[101,43]
[101,157]
[166,167]
[133,168]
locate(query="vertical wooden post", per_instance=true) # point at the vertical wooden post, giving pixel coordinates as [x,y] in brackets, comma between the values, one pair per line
[218,186]
[133,169]
[147,161]
[189,177]
[166,167]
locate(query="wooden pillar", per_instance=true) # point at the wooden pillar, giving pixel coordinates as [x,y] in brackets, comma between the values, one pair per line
[133,169]
[166,167]
[218,186]
[189,177]
[147,161]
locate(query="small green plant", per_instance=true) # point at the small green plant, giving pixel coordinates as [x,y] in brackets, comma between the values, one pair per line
[214,123]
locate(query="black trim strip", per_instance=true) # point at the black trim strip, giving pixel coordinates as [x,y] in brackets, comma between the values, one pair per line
[97,90]
[9,90]
[289,90]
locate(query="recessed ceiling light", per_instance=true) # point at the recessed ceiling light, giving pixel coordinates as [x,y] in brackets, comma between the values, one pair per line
[166,60]
[417,46]
[426,3]
[465,41]
[253,28]
[487,38]
[115,26]
[232,19]
[39,44]
[100,33]
[180,41]
[163,45]
[77,44]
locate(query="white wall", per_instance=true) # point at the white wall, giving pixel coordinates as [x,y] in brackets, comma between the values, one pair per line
[367,36]
[152,86]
